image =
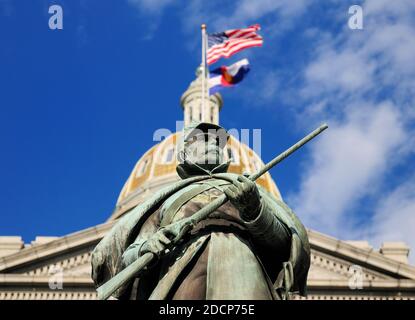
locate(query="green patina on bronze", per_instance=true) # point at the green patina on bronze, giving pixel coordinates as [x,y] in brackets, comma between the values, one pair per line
[236,257]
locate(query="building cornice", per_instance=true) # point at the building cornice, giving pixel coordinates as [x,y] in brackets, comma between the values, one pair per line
[43,280]
[364,257]
[56,247]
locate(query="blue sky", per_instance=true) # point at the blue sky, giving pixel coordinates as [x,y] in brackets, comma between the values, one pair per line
[78,106]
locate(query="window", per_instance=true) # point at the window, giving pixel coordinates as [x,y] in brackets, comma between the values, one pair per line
[230,155]
[168,158]
[142,168]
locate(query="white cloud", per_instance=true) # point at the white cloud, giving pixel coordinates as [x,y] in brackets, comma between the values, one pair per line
[248,11]
[153,11]
[394,218]
[347,82]
[354,62]
[384,8]
[264,95]
[346,163]
[151,7]
[333,71]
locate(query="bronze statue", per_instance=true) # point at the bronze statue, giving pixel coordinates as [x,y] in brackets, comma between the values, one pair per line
[250,247]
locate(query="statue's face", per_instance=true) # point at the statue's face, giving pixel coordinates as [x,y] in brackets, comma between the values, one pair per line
[204,150]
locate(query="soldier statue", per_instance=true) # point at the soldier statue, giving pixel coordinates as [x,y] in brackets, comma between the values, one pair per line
[252,248]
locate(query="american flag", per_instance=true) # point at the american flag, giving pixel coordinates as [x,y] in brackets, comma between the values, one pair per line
[227,43]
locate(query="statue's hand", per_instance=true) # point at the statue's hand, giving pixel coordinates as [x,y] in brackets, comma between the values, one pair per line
[244,195]
[158,242]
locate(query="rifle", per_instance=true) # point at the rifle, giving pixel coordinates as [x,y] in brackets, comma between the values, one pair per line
[180,228]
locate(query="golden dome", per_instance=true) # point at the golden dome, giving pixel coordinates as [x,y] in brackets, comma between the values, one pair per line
[157,168]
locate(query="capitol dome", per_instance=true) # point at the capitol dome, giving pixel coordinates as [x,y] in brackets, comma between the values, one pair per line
[157,167]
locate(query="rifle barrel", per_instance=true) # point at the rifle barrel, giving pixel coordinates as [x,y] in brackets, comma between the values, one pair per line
[289,151]
[121,278]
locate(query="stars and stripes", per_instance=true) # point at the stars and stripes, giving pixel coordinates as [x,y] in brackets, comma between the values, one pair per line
[225,44]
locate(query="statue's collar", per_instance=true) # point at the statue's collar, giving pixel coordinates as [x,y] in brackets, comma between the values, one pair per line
[189,169]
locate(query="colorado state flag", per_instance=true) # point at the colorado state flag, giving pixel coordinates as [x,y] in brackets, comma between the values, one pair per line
[224,76]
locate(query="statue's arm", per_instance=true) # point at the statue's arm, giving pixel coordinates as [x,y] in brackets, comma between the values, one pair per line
[267,230]
[150,227]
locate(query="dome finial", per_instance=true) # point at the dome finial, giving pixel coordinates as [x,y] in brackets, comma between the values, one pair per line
[198,71]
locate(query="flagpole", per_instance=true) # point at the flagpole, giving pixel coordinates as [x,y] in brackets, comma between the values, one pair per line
[207,73]
[202,112]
